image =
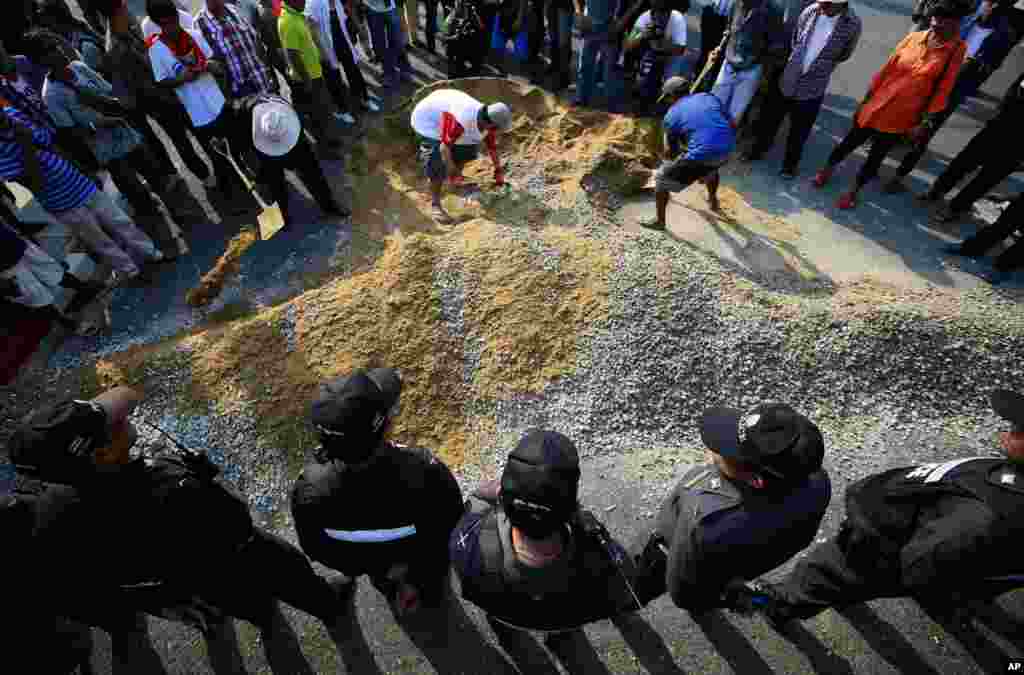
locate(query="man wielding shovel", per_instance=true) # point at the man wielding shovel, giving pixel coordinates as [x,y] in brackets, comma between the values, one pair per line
[268,128]
[451,125]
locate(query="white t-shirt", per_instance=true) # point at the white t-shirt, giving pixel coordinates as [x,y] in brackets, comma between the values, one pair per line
[149,26]
[426,116]
[975,38]
[675,31]
[823,28]
[202,97]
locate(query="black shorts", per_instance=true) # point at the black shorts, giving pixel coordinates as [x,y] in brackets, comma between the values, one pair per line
[680,173]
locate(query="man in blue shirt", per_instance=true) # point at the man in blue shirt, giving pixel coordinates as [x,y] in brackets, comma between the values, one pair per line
[699,138]
[757,502]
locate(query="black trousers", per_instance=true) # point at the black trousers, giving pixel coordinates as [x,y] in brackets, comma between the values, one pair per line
[470,49]
[430,30]
[774,110]
[989,150]
[561,54]
[712,27]
[173,119]
[268,569]
[126,173]
[826,578]
[534,20]
[1011,220]
[336,87]
[302,160]
[356,83]
[226,175]
[881,144]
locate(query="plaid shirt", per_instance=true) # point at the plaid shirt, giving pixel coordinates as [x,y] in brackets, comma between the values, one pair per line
[797,84]
[235,42]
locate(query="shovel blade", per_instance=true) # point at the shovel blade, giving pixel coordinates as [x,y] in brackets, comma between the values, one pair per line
[270,220]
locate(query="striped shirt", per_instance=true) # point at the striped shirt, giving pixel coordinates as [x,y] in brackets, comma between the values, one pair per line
[64,186]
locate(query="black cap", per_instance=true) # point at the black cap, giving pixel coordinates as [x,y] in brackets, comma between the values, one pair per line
[356,404]
[56,442]
[1010,406]
[544,469]
[771,436]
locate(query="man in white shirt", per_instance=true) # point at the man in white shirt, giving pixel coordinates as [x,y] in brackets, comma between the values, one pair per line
[451,125]
[181,61]
[660,36]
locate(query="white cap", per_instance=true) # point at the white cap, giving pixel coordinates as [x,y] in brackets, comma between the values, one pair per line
[275,128]
[500,115]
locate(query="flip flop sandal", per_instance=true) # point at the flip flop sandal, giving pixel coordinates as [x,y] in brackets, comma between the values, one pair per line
[846,202]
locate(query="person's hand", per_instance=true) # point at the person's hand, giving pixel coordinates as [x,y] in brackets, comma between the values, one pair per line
[499,177]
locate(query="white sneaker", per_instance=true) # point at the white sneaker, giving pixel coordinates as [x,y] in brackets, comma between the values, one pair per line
[371,105]
[345,117]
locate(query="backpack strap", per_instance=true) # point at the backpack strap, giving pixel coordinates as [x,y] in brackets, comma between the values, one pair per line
[492,558]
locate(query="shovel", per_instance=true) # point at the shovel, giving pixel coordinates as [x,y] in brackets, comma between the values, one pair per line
[270,220]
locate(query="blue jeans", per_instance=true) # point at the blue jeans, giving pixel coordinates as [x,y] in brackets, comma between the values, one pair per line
[388,43]
[594,45]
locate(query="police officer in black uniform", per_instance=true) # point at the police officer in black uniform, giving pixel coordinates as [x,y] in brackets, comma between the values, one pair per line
[528,555]
[115,536]
[29,622]
[942,528]
[371,506]
[757,502]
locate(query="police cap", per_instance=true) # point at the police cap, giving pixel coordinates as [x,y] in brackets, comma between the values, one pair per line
[56,442]
[1010,406]
[356,405]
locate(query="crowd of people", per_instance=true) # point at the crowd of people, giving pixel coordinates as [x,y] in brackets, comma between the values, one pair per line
[157,532]
[928,75]
[248,80]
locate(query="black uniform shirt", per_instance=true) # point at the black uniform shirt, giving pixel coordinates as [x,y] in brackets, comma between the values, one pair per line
[398,508]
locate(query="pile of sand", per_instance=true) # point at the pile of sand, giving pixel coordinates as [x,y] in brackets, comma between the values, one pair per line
[523,317]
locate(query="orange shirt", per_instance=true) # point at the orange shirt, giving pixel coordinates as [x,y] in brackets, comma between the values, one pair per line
[905,88]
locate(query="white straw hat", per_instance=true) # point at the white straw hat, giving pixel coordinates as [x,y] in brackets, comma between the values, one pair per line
[275,128]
